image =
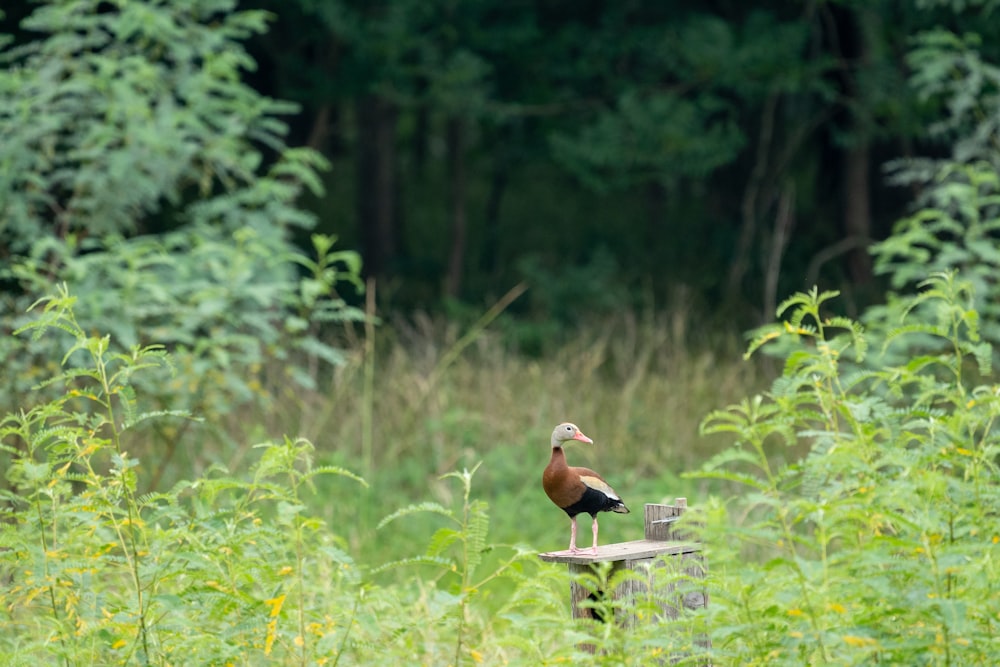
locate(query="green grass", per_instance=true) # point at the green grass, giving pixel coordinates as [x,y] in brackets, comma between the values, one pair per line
[273,550]
[849,514]
[638,386]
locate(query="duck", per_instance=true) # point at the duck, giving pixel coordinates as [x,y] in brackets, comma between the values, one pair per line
[576,490]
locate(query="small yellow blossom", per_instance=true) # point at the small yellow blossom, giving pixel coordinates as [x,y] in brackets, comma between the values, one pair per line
[858,642]
[276,603]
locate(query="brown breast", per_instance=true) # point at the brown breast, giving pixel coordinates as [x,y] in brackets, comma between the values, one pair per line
[562,485]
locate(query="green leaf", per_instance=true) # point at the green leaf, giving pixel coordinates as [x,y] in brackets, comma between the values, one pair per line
[420,508]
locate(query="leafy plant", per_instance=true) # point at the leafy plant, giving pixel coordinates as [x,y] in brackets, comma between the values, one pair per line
[956,224]
[140,168]
[96,571]
[958,229]
[230,308]
[877,545]
[122,111]
[457,551]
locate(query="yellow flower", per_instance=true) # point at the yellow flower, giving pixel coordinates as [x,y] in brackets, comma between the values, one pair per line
[272,633]
[276,604]
[858,642]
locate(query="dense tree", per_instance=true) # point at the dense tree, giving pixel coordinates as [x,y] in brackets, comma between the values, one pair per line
[734,149]
[755,134]
[138,167]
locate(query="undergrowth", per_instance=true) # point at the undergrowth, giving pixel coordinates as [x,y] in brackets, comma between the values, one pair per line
[876,547]
[879,546]
[232,567]
[639,384]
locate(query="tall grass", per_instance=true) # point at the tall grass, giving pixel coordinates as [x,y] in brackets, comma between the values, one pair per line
[253,560]
[877,546]
[639,384]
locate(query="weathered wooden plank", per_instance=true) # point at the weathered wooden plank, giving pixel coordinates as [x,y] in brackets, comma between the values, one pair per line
[661,522]
[634,550]
[641,557]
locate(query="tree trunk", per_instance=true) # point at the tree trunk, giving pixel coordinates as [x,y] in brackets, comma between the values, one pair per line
[857,212]
[377,184]
[853,27]
[319,133]
[421,138]
[456,177]
[784,222]
[754,199]
[490,257]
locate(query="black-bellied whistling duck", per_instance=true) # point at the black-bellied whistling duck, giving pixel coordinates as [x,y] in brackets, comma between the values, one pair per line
[576,490]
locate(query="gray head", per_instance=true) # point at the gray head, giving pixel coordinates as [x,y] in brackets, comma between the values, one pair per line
[567,431]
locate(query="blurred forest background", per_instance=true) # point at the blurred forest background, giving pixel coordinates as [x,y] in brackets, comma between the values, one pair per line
[606,153]
[617,190]
[611,153]
[581,203]
[295,263]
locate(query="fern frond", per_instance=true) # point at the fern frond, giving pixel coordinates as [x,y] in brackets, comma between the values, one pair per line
[335,470]
[157,414]
[420,508]
[416,560]
[476,531]
[441,540]
[730,476]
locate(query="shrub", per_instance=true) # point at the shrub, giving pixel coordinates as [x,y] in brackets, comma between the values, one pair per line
[227,567]
[878,545]
[95,572]
[138,167]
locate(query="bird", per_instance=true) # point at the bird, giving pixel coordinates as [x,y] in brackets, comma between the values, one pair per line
[576,490]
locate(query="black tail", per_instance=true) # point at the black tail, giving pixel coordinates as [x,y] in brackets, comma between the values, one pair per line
[615,505]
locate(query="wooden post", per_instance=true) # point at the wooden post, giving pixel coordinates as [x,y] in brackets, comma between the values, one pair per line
[663,538]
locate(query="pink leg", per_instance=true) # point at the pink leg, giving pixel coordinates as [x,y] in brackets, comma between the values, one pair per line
[572,536]
[594,548]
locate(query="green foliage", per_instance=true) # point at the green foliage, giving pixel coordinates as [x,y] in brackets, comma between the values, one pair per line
[675,111]
[123,109]
[954,72]
[97,572]
[644,137]
[458,551]
[957,230]
[878,545]
[227,305]
[140,168]
[955,227]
